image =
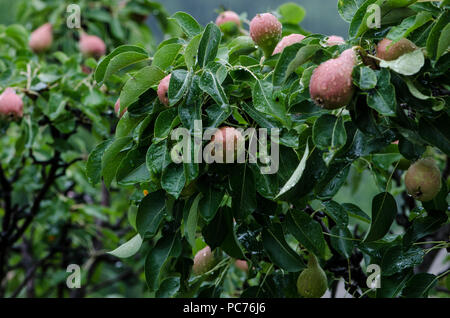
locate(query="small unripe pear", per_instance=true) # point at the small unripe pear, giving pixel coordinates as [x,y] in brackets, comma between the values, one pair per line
[204,261]
[226,140]
[117,109]
[11,105]
[91,45]
[242,265]
[423,180]
[335,40]
[163,90]
[331,84]
[312,282]
[287,41]
[389,52]
[265,30]
[41,39]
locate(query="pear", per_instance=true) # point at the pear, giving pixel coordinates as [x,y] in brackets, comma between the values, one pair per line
[265,30]
[423,180]
[312,282]
[331,84]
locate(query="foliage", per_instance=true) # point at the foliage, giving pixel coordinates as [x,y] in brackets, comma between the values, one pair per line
[51,216]
[274,220]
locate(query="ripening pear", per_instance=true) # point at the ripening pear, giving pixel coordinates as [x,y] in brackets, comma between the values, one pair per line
[287,41]
[163,90]
[331,85]
[423,180]
[41,39]
[229,22]
[228,141]
[91,45]
[389,52]
[312,282]
[11,105]
[265,31]
[335,40]
[204,261]
[117,109]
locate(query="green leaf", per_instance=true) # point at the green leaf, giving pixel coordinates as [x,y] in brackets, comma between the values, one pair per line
[436,132]
[408,25]
[419,285]
[279,251]
[189,25]
[94,163]
[243,191]
[190,108]
[165,121]
[383,98]
[138,84]
[132,169]
[123,60]
[209,44]
[336,212]
[190,53]
[384,210]
[348,8]
[290,59]
[329,132]
[356,212]
[342,241]
[128,248]
[103,64]
[438,41]
[165,56]
[166,248]
[396,259]
[191,223]
[264,102]
[173,179]
[210,85]
[291,13]
[423,226]
[407,64]
[307,231]
[158,158]
[180,80]
[367,78]
[210,203]
[296,175]
[112,158]
[150,213]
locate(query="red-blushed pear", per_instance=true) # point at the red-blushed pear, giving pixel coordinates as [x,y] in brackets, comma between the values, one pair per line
[91,45]
[423,180]
[331,84]
[11,105]
[265,30]
[228,16]
[227,139]
[117,109]
[229,22]
[287,41]
[42,38]
[242,265]
[389,52]
[312,282]
[163,90]
[204,261]
[335,40]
